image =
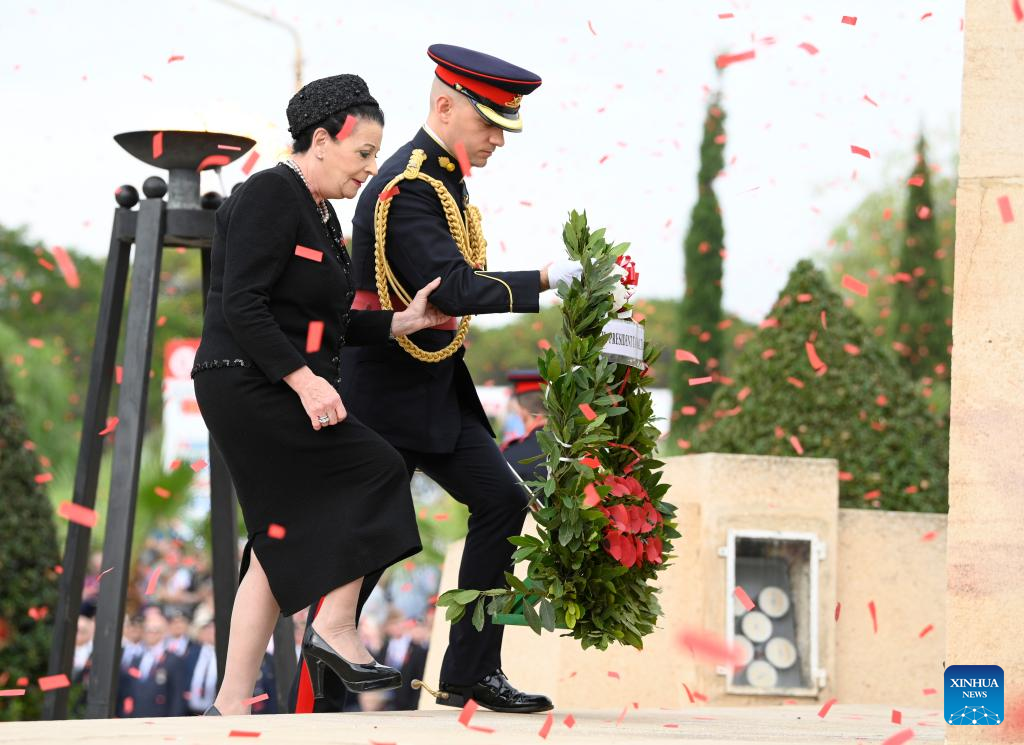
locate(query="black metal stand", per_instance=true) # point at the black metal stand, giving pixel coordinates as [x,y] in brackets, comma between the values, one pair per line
[153,227]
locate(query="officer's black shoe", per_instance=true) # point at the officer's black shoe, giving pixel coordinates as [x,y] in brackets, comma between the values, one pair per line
[494,692]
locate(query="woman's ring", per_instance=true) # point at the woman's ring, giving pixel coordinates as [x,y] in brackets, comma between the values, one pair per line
[323,419]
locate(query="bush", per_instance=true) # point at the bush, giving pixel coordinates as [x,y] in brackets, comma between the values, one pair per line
[28,555]
[860,407]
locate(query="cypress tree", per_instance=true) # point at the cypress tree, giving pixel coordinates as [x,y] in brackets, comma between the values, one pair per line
[922,311]
[700,312]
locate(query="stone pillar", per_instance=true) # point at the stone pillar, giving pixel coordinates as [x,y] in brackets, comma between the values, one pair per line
[985,559]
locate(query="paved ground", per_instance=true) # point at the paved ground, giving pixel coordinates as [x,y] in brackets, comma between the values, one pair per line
[721,726]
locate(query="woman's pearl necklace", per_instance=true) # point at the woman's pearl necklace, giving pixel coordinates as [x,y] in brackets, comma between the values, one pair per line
[322,204]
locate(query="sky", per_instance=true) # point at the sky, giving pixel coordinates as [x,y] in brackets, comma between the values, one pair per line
[614,130]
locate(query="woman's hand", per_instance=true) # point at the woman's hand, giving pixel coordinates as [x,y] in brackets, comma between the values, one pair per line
[319,398]
[420,314]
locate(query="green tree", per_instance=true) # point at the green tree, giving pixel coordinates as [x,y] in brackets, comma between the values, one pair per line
[816,382]
[701,310]
[28,555]
[868,244]
[922,311]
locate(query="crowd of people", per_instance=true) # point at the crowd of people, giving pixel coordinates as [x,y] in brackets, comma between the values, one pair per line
[168,659]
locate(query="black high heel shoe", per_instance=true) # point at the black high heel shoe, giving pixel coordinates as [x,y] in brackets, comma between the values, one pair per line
[357,678]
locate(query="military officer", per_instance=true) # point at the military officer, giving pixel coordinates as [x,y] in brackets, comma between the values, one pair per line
[414,220]
[528,396]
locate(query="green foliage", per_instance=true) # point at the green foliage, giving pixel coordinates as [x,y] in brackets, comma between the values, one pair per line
[28,555]
[574,577]
[922,312]
[869,246]
[701,311]
[861,408]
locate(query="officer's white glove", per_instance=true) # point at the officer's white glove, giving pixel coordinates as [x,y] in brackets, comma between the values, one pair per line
[563,271]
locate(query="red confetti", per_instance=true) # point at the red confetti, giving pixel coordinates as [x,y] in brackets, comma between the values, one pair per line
[855,285]
[1005,208]
[546,727]
[347,127]
[161,492]
[590,25]
[213,161]
[256,699]
[467,712]
[613,674]
[175,58]
[12,692]
[897,717]
[236,148]
[463,157]
[43,478]
[900,737]
[741,594]
[724,16]
[199,465]
[569,721]
[67,267]
[710,648]
[724,60]
[1018,11]
[118,374]
[929,536]
[129,705]
[52,682]
[158,145]
[850,20]
[823,712]
[250,162]
[588,412]
[309,253]
[812,355]
[824,322]
[929,691]
[926,15]
[683,356]
[314,335]
[688,693]
[874,615]
[809,48]
[242,733]
[275,531]
[870,100]
[77,514]
[700,381]
[154,577]
[856,150]
[386,195]
[915,181]
[591,498]
[924,632]
[795,442]
[111,426]
[839,607]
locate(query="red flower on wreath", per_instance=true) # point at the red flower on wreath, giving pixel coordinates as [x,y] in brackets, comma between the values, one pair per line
[628,523]
[632,275]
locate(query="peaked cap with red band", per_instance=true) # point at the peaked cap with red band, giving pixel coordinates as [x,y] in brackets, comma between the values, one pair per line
[495,87]
[524,381]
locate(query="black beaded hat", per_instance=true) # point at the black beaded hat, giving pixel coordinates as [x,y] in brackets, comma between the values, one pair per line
[319,99]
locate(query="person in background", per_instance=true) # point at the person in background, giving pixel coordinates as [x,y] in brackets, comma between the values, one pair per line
[202,679]
[402,652]
[528,401]
[154,674]
[131,639]
[83,642]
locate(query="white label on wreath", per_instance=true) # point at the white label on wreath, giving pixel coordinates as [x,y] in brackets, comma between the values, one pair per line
[625,343]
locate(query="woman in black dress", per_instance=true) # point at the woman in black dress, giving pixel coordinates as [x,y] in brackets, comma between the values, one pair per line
[326,500]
